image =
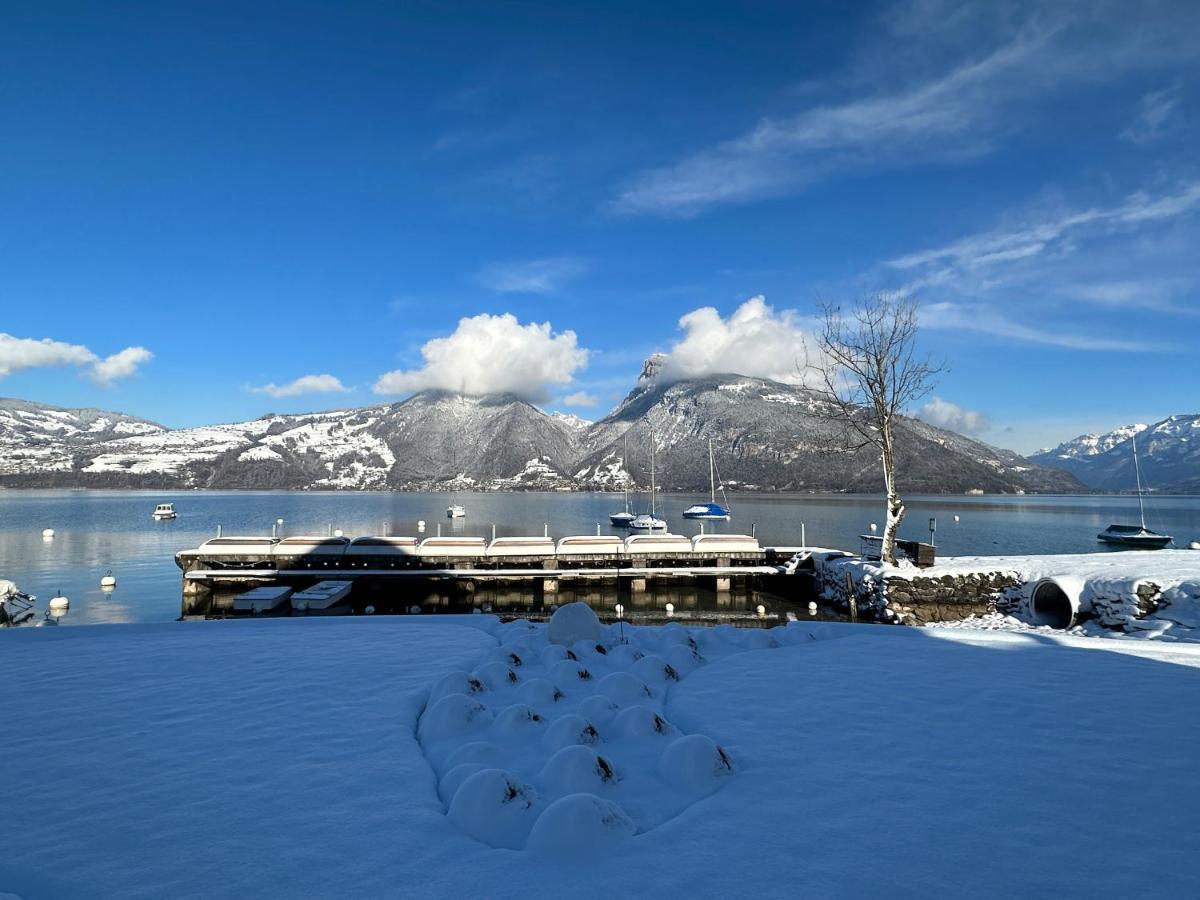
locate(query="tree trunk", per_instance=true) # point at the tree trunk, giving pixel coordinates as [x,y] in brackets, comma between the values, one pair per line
[895,506]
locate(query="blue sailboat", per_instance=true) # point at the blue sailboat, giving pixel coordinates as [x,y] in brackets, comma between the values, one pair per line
[711,510]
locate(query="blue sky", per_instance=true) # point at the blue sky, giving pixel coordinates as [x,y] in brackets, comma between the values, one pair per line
[210,211]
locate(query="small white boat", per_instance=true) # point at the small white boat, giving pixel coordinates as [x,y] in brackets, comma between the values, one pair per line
[262,599]
[164,511]
[454,511]
[650,521]
[323,597]
[647,522]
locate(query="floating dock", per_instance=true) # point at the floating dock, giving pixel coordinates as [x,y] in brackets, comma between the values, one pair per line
[397,573]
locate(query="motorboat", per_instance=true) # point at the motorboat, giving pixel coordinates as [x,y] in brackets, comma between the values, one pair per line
[1135,535]
[711,510]
[454,511]
[164,511]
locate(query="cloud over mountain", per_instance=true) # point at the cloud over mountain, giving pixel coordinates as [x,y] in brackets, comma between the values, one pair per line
[489,354]
[754,340]
[305,384]
[945,414]
[30,353]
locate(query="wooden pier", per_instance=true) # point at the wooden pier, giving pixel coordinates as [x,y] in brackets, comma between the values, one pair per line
[396,574]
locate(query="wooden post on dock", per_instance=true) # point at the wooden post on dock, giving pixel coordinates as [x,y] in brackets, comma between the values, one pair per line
[852,597]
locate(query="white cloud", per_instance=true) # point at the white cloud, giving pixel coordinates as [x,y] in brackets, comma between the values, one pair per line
[1056,234]
[27,353]
[119,365]
[581,398]
[489,354]
[305,384]
[535,276]
[1155,111]
[755,340]
[898,121]
[945,414]
[981,318]
[30,353]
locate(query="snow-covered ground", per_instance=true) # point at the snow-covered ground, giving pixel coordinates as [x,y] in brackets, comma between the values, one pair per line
[298,758]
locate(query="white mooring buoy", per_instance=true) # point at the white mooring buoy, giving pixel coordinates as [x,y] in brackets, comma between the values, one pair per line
[47,532]
[1194,545]
[761,610]
[108,581]
[421,525]
[670,609]
[59,605]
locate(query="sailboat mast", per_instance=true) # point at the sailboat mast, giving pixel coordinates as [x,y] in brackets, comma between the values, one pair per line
[653,490]
[625,466]
[1137,470]
[712,476]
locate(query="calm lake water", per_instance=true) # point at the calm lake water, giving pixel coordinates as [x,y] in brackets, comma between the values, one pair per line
[98,531]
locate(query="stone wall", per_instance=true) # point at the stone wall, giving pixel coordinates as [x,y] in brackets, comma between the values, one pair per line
[916,599]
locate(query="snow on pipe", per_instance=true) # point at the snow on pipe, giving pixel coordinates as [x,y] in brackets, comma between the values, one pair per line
[1057,601]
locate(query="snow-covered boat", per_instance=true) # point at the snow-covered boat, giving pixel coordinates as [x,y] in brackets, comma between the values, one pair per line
[624,519]
[711,510]
[164,511]
[647,522]
[1135,535]
[650,521]
[454,511]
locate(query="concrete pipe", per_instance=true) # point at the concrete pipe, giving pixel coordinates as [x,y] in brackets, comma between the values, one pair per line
[1056,601]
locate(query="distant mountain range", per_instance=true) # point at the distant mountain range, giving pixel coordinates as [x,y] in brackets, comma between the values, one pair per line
[1168,451]
[767,436]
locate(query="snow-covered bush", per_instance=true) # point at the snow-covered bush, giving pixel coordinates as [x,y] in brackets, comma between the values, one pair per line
[580,826]
[573,622]
[494,806]
[452,716]
[695,762]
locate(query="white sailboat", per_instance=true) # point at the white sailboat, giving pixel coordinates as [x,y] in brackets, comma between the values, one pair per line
[455,510]
[711,510]
[650,521]
[623,519]
[1135,535]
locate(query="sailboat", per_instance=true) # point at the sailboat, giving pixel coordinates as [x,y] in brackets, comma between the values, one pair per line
[650,521]
[712,509]
[1135,535]
[623,519]
[455,510]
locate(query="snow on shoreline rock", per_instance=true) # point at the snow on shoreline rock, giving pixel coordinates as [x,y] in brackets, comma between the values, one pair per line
[557,742]
[1136,593]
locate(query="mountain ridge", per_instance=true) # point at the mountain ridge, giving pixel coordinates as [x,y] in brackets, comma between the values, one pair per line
[767,436]
[1168,452]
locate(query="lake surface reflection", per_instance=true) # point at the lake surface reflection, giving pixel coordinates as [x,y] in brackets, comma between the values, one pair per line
[99,531]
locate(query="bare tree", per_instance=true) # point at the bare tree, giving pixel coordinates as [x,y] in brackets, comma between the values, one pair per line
[869,374]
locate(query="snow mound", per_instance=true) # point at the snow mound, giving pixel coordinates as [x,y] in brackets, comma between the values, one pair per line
[581,825]
[580,712]
[495,807]
[453,716]
[577,769]
[622,687]
[696,763]
[456,683]
[571,729]
[643,722]
[572,623]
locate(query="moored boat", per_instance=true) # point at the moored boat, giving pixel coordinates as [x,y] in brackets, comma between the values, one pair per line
[164,511]
[1135,535]
[711,510]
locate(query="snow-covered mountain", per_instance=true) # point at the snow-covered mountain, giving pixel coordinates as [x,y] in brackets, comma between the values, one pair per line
[772,436]
[1169,453]
[766,436]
